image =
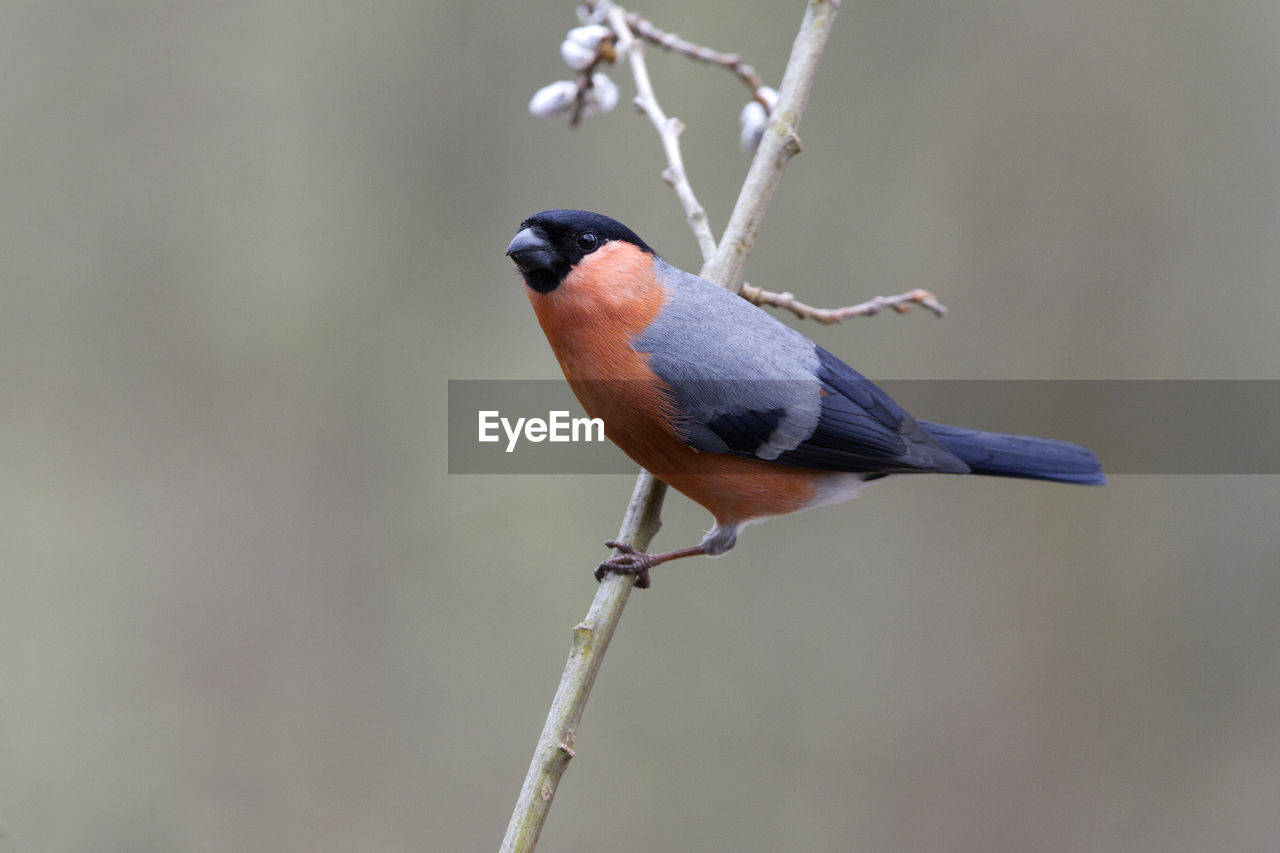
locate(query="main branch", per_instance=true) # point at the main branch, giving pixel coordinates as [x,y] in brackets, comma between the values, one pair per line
[590,641]
[779,144]
[725,264]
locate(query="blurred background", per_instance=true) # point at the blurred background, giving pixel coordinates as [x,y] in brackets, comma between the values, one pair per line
[244,607]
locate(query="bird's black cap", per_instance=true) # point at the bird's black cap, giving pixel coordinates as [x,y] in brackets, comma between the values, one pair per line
[549,244]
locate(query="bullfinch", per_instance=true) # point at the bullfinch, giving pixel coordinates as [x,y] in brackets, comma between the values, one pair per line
[723,402]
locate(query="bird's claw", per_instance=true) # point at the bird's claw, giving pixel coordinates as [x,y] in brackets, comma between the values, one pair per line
[628,562]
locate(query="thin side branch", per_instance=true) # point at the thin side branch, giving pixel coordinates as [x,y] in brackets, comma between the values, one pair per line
[670,41]
[900,303]
[669,129]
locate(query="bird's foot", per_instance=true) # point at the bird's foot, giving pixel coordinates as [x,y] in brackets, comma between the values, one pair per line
[629,562]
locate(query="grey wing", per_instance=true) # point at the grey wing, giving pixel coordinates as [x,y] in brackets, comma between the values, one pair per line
[748,385]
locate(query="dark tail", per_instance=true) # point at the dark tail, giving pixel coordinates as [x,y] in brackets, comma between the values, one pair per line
[1000,455]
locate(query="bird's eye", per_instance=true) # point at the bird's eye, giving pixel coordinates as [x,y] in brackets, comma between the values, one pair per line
[587,242]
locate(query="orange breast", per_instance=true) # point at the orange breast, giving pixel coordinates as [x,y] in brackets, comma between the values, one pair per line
[607,301]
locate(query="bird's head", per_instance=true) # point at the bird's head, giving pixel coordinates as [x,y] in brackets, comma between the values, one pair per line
[551,244]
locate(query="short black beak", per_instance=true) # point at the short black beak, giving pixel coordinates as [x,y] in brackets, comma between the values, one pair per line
[530,250]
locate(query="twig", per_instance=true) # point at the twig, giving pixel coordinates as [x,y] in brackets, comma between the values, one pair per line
[669,129]
[591,638]
[670,41]
[583,82]
[900,303]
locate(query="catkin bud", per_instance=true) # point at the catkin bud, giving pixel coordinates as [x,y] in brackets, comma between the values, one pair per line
[554,99]
[755,118]
[601,97]
[581,47]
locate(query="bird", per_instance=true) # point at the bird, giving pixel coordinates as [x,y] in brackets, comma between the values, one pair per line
[724,402]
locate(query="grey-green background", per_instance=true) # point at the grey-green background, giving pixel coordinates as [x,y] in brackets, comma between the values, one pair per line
[243,607]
